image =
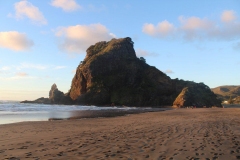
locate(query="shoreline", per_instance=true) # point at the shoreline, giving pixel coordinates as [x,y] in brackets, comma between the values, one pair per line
[108,113]
[7,117]
[202,133]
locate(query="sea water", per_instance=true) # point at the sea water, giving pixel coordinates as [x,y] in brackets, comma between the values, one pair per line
[14,111]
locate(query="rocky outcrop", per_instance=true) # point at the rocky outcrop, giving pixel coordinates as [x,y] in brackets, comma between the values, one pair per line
[196,95]
[111,73]
[58,97]
[55,96]
[41,100]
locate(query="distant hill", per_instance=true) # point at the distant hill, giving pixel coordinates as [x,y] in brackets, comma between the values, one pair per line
[226,92]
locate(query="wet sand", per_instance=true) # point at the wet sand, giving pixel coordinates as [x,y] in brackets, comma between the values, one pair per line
[173,134]
[107,113]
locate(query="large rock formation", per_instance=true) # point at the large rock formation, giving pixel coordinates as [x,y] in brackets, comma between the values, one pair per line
[111,73]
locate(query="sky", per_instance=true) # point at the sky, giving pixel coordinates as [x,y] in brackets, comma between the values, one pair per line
[43,41]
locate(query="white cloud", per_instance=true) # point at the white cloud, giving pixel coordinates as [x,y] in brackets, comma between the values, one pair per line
[66,5]
[168,71]
[26,9]
[193,28]
[162,29]
[78,38]
[5,68]
[31,66]
[228,16]
[15,41]
[143,53]
[194,23]
[22,66]
[59,67]
[18,76]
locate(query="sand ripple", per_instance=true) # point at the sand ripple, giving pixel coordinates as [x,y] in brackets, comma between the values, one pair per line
[176,134]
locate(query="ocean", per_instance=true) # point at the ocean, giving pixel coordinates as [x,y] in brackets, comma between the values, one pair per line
[14,111]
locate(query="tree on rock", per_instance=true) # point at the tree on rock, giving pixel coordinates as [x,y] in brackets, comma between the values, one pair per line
[143,59]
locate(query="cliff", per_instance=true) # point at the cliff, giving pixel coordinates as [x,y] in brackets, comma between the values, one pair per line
[111,73]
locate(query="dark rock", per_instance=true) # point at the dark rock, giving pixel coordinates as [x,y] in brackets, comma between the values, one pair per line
[111,73]
[55,95]
[41,100]
[58,97]
[197,95]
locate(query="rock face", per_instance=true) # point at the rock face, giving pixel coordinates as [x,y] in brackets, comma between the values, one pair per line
[198,95]
[55,95]
[111,73]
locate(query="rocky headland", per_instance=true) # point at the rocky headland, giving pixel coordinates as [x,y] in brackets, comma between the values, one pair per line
[111,73]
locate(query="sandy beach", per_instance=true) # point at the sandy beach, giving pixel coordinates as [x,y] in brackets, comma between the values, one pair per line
[173,134]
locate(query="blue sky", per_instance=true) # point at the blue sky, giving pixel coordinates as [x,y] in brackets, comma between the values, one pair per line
[42,42]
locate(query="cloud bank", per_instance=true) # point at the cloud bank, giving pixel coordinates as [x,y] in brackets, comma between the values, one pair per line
[193,28]
[66,5]
[26,9]
[78,38]
[15,41]
[162,29]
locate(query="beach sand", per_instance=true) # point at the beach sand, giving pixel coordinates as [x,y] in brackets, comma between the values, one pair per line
[212,133]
